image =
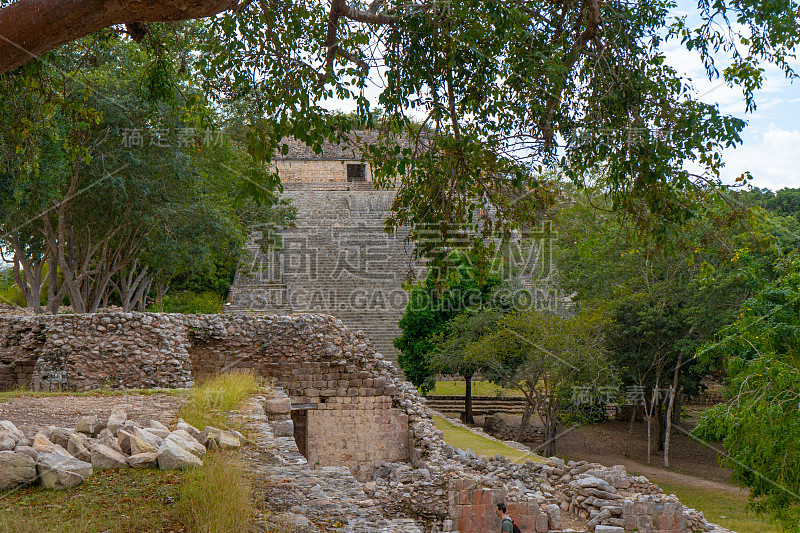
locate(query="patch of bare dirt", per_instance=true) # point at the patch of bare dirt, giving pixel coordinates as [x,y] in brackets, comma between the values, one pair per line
[64,411]
[691,462]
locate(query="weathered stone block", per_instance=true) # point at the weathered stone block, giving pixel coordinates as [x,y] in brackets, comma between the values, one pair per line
[608,529]
[16,469]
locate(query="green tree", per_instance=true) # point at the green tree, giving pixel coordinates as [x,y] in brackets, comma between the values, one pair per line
[431,305]
[665,301]
[546,356]
[450,354]
[759,423]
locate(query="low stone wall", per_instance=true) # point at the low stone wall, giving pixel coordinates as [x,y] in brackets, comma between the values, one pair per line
[83,352]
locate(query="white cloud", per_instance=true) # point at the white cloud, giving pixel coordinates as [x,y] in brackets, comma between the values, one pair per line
[773,159]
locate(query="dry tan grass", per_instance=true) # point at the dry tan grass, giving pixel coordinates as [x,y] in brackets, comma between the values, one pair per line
[218,497]
[211,398]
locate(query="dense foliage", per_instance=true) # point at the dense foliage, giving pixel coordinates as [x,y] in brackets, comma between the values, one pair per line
[547,357]
[110,184]
[501,89]
[430,306]
[760,422]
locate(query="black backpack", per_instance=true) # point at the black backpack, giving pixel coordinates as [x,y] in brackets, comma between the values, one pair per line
[514,526]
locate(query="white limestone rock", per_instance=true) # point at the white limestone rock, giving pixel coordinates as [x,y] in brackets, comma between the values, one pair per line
[187,442]
[124,440]
[139,446]
[77,447]
[106,457]
[59,472]
[88,425]
[171,456]
[107,438]
[155,424]
[146,435]
[188,428]
[144,460]
[16,468]
[117,419]
[7,442]
[27,450]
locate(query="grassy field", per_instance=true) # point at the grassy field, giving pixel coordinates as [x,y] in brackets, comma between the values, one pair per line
[462,438]
[720,507]
[124,500]
[479,388]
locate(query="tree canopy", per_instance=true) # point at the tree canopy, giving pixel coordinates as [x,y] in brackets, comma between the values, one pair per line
[500,89]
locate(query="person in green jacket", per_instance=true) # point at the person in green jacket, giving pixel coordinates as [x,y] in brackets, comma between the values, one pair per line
[507,524]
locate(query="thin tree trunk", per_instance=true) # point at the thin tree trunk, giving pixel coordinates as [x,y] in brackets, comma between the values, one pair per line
[55,293]
[28,275]
[676,410]
[550,448]
[673,391]
[649,412]
[661,423]
[526,417]
[630,431]
[468,418]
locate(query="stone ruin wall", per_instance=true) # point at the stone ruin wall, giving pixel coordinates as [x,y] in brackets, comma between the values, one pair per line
[314,358]
[367,417]
[317,171]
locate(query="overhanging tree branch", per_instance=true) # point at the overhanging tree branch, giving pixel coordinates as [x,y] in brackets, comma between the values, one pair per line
[29,28]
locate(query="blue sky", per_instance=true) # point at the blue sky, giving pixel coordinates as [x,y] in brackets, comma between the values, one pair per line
[771,141]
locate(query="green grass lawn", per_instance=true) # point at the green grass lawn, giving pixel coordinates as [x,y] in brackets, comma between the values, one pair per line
[124,500]
[717,504]
[463,438]
[479,388]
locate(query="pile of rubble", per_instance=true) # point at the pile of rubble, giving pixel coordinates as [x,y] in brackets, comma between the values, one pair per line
[65,457]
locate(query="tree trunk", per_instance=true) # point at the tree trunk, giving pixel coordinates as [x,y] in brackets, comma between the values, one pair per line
[661,423]
[55,293]
[678,407]
[468,418]
[649,407]
[550,437]
[669,414]
[142,302]
[162,286]
[27,273]
[32,27]
[526,417]
[630,431]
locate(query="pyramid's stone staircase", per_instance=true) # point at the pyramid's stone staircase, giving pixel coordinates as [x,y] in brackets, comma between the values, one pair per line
[336,260]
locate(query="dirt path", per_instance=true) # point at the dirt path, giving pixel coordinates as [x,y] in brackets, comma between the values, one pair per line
[656,474]
[64,411]
[691,463]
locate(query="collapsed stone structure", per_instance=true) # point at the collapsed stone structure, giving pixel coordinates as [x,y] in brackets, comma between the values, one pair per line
[344,406]
[62,458]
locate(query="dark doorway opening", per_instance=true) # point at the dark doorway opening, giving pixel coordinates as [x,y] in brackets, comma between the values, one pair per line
[357,172]
[300,422]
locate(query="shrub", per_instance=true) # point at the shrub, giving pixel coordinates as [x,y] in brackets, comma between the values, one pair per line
[203,303]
